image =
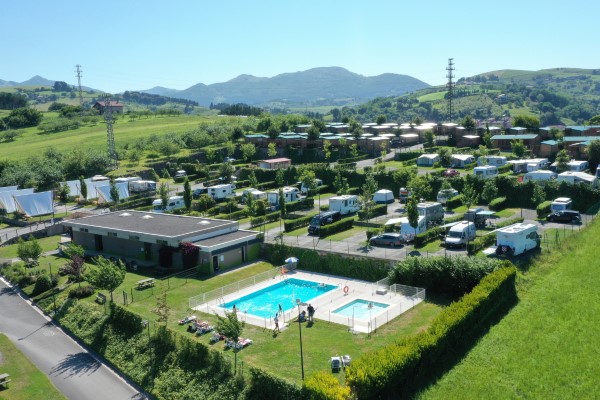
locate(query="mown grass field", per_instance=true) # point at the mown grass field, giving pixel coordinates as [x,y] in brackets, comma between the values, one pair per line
[27,382]
[547,346]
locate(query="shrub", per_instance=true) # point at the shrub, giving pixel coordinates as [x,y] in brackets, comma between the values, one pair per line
[543,209]
[266,386]
[324,386]
[379,209]
[511,221]
[303,204]
[81,292]
[233,216]
[271,217]
[505,168]
[290,225]
[454,202]
[498,204]
[324,207]
[428,236]
[43,283]
[481,243]
[454,218]
[336,227]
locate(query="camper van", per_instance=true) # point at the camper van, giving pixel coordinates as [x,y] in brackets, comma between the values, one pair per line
[345,204]
[142,186]
[561,204]
[516,239]
[221,192]
[446,194]
[173,203]
[403,195]
[540,175]
[304,189]
[408,231]
[485,171]
[324,218]
[460,234]
[433,212]
[289,193]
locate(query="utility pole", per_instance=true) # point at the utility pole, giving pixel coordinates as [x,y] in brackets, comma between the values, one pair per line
[110,136]
[79,71]
[450,85]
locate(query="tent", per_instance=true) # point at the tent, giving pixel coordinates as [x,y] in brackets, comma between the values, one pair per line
[104,192]
[35,204]
[7,188]
[383,196]
[92,187]
[7,201]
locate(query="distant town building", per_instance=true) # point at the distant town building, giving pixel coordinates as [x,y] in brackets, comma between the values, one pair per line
[103,106]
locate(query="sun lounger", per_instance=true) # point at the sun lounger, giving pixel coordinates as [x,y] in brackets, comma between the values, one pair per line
[187,320]
[346,360]
[241,343]
[336,363]
[216,337]
[203,330]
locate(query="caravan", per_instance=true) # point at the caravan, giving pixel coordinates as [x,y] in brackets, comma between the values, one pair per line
[535,164]
[345,204]
[289,194]
[304,189]
[485,171]
[516,239]
[174,203]
[408,231]
[446,194]
[433,212]
[540,175]
[139,186]
[561,204]
[221,192]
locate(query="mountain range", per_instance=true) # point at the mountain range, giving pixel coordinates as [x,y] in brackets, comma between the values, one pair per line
[35,81]
[327,85]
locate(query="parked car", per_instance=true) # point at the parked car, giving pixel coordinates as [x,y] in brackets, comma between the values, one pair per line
[197,192]
[564,216]
[180,174]
[387,239]
[450,173]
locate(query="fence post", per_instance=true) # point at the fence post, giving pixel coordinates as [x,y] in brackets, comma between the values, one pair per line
[131,294]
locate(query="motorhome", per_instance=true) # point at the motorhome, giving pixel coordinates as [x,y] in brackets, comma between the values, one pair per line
[173,203]
[304,189]
[561,204]
[403,195]
[577,177]
[345,204]
[540,175]
[446,194]
[127,179]
[516,239]
[289,194]
[496,161]
[535,164]
[433,212]
[324,218]
[577,166]
[221,192]
[383,196]
[460,234]
[485,171]
[142,186]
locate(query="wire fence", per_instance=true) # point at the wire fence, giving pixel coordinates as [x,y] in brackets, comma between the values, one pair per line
[138,292]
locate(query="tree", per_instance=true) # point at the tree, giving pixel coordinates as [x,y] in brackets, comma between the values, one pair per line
[429,138]
[153,175]
[539,195]
[271,150]
[205,202]
[75,268]
[340,183]
[309,180]
[187,194]
[445,156]
[468,123]
[135,156]
[273,132]
[63,192]
[487,138]
[403,176]
[469,195]
[355,128]
[107,275]
[230,326]
[595,120]
[229,148]
[354,150]
[248,151]
[22,118]
[225,171]
[420,187]
[412,212]
[518,148]
[29,252]
[526,121]
[163,193]
[237,133]
[252,181]
[83,189]
[250,204]
[162,309]
[327,150]
[343,143]
[281,209]
[381,119]
[114,192]
[279,177]
[369,187]
[313,133]
[261,207]
[562,159]
[593,151]
[490,191]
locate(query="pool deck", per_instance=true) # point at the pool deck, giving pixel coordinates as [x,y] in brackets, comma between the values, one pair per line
[347,290]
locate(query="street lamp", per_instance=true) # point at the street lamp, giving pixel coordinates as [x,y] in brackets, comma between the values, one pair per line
[298,302]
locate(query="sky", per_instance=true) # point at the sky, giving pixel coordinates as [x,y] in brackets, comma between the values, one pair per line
[134,45]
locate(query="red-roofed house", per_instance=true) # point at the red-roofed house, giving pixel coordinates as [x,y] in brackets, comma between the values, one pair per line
[275,163]
[115,106]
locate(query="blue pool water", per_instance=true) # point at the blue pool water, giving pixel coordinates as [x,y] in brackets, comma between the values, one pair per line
[265,302]
[360,309]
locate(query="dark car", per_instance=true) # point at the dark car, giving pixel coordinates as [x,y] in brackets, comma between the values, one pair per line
[387,239]
[564,216]
[197,192]
[324,218]
[450,173]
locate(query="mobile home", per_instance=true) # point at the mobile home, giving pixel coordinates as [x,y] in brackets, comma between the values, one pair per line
[577,177]
[540,175]
[427,160]
[433,212]
[518,166]
[142,186]
[408,231]
[289,194]
[460,234]
[345,204]
[535,164]
[486,171]
[173,203]
[516,239]
[561,204]
[577,166]
[255,193]
[221,192]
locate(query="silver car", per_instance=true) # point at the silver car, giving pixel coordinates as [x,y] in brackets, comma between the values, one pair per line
[387,239]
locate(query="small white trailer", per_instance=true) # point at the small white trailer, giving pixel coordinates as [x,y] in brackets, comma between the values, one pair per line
[383,196]
[485,171]
[496,161]
[516,239]
[561,204]
[289,194]
[221,192]
[173,203]
[345,204]
[540,175]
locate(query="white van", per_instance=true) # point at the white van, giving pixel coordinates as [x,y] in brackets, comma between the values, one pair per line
[304,188]
[174,202]
[516,239]
[446,194]
[485,171]
[345,204]
[561,204]
[460,234]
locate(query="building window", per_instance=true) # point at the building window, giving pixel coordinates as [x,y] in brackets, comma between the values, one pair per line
[163,242]
[113,234]
[83,229]
[134,237]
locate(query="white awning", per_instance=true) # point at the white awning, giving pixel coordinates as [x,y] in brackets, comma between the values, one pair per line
[104,192]
[7,201]
[35,204]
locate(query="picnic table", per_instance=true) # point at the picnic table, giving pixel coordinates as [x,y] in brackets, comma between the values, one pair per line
[145,283]
[4,379]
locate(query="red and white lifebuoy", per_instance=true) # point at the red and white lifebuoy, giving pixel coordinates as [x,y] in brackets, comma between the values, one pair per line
[346,289]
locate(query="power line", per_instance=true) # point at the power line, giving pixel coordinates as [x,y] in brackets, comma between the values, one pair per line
[450,85]
[79,71]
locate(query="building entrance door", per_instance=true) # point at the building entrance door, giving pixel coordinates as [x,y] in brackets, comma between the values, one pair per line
[215,260]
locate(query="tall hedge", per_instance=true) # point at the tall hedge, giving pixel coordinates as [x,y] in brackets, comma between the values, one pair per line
[428,236]
[401,369]
[375,211]
[266,386]
[543,208]
[292,224]
[336,227]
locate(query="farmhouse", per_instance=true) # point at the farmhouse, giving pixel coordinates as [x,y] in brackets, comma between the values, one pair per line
[154,239]
[275,163]
[103,106]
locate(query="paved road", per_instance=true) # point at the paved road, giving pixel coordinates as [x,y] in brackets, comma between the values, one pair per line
[74,371]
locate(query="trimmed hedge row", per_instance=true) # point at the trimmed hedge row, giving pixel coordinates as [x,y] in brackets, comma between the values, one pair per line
[324,386]
[454,202]
[543,208]
[454,218]
[399,370]
[266,386]
[336,227]
[481,243]
[505,168]
[428,236]
[375,211]
[370,269]
[497,204]
[293,224]
[510,221]
[265,219]
[234,216]
[300,205]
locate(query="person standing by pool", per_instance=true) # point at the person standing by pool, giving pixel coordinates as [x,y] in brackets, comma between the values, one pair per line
[276,321]
[311,312]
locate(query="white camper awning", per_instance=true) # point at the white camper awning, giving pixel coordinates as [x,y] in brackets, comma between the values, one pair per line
[35,204]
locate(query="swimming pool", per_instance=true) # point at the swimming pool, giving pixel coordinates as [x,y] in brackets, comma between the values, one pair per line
[265,302]
[359,308]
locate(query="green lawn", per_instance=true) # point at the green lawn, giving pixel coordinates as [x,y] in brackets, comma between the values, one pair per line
[547,346]
[47,244]
[431,247]
[27,382]
[506,213]
[346,234]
